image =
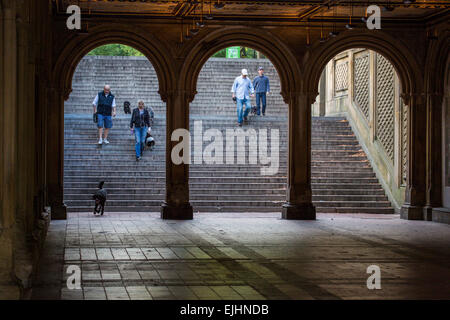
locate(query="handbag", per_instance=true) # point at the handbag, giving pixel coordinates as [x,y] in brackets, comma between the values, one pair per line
[95,117]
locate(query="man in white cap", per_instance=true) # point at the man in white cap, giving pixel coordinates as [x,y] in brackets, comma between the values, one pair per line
[242,90]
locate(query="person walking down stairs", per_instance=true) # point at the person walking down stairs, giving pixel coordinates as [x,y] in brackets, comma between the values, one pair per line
[105,107]
[140,121]
[241,87]
[262,86]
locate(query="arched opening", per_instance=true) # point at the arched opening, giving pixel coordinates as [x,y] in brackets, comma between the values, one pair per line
[239,151]
[131,185]
[359,135]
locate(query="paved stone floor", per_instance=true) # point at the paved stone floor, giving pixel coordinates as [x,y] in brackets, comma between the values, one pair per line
[245,256]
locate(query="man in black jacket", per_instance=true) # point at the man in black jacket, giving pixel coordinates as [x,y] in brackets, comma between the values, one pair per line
[140,121]
[105,106]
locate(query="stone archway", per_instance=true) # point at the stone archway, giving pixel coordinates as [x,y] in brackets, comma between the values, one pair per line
[279,54]
[411,77]
[404,62]
[59,90]
[437,81]
[299,198]
[155,51]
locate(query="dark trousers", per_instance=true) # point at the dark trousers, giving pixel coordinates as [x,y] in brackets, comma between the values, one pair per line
[260,97]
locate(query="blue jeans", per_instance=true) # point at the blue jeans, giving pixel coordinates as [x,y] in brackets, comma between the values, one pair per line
[140,134]
[104,121]
[240,113]
[260,97]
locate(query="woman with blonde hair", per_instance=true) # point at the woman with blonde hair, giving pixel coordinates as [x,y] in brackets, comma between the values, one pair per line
[140,121]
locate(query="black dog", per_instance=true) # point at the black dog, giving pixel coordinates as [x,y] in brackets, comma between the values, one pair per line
[100,198]
[126,107]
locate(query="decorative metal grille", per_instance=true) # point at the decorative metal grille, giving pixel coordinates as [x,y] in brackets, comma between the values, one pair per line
[361,82]
[385,105]
[341,76]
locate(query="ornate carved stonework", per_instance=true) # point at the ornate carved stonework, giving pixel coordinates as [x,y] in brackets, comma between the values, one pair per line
[361,82]
[341,76]
[385,105]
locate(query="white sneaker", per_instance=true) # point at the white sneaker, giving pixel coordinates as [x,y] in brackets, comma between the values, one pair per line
[105,141]
[100,141]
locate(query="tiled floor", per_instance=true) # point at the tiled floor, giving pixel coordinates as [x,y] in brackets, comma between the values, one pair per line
[245,256]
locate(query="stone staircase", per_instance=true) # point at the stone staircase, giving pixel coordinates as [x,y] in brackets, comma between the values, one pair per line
[342,178]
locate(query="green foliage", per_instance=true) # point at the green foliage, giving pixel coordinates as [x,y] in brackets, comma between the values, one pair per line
[115,49]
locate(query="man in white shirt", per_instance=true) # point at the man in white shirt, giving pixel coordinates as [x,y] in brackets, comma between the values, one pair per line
[240,89]
[105,106]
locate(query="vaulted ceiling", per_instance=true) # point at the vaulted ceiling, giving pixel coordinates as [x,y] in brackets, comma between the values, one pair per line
[292,10]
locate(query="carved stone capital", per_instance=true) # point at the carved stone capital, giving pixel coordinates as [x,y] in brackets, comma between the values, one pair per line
[293,97]
[172,94]
[408,97]
[66,93]
[59,91]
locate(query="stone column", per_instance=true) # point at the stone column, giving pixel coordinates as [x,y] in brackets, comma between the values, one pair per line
[9,115]
[8,144]
[55,152]
[24,124]
[322,93]
[176,205]
[434,154]
[350,79]
[415,196]
[299,196]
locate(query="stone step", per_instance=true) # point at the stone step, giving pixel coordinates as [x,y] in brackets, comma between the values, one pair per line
[243,209]
[232,191]
[157,208]
[374,210]
[80,166]
[234,203]
[160,185]
[218,187]
[195,196]
[250,172]
[131,190]
[110,178]
[318,124]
